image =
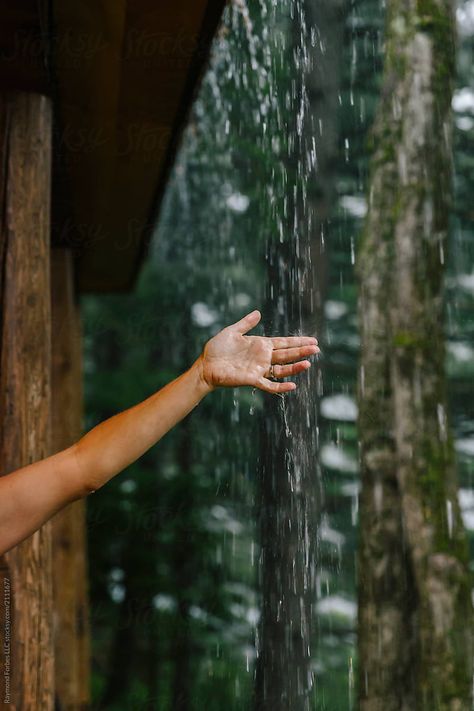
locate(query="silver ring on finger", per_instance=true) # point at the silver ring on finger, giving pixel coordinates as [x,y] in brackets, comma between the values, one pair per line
[272,375]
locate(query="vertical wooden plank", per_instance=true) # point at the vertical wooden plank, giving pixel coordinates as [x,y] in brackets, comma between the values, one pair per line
[25,389]
[71,628]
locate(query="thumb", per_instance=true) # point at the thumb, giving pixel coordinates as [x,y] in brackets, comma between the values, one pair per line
[247,322]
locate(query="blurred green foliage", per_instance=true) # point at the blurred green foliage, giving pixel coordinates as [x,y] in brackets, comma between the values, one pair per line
[172,540]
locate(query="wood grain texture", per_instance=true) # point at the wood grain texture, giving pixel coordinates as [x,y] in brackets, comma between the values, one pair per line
[71,622]
[25,390]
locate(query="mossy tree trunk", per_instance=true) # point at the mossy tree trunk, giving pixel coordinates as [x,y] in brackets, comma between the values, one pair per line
[415,610]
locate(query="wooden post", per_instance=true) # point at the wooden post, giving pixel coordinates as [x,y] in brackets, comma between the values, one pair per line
[71,625]
[26,666]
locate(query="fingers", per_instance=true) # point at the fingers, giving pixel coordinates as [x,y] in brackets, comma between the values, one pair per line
[293,342]
[285,371]
[247,323]
[270,386]
[287,355]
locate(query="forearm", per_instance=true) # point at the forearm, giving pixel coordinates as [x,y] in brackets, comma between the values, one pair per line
[31,495]
[115,443]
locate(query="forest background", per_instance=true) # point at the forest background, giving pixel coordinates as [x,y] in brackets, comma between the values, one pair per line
[173,541]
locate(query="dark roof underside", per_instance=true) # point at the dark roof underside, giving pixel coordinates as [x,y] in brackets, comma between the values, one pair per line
[123,75]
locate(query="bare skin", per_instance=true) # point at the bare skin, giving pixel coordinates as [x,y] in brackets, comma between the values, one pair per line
[31,495]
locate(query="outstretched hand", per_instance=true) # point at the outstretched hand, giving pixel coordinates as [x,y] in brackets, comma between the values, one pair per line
[231,358]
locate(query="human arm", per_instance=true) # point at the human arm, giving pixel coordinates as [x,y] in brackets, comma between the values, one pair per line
[31,495]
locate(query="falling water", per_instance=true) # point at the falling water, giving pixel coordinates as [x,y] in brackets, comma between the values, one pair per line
[264,209]
[251,205]
[460,272]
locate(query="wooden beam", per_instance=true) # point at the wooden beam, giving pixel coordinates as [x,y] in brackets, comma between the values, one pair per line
[127,72]
[71,622]
[123,75]
[25,351]
[24,46]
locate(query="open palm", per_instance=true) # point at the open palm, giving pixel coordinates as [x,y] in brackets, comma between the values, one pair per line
[231,358]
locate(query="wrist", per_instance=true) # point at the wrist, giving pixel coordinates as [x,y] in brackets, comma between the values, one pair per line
[204,388]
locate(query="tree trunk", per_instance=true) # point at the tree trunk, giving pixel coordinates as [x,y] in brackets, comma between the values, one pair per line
[288,519]
[326,18]
[415,610]
[297,276]
[69,535]
[124,648]
[25,145]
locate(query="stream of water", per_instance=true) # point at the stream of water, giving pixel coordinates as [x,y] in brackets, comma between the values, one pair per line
[264,210]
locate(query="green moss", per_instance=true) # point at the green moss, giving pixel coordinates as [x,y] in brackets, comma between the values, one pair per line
[436,461]
[408,339]
[437,21]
